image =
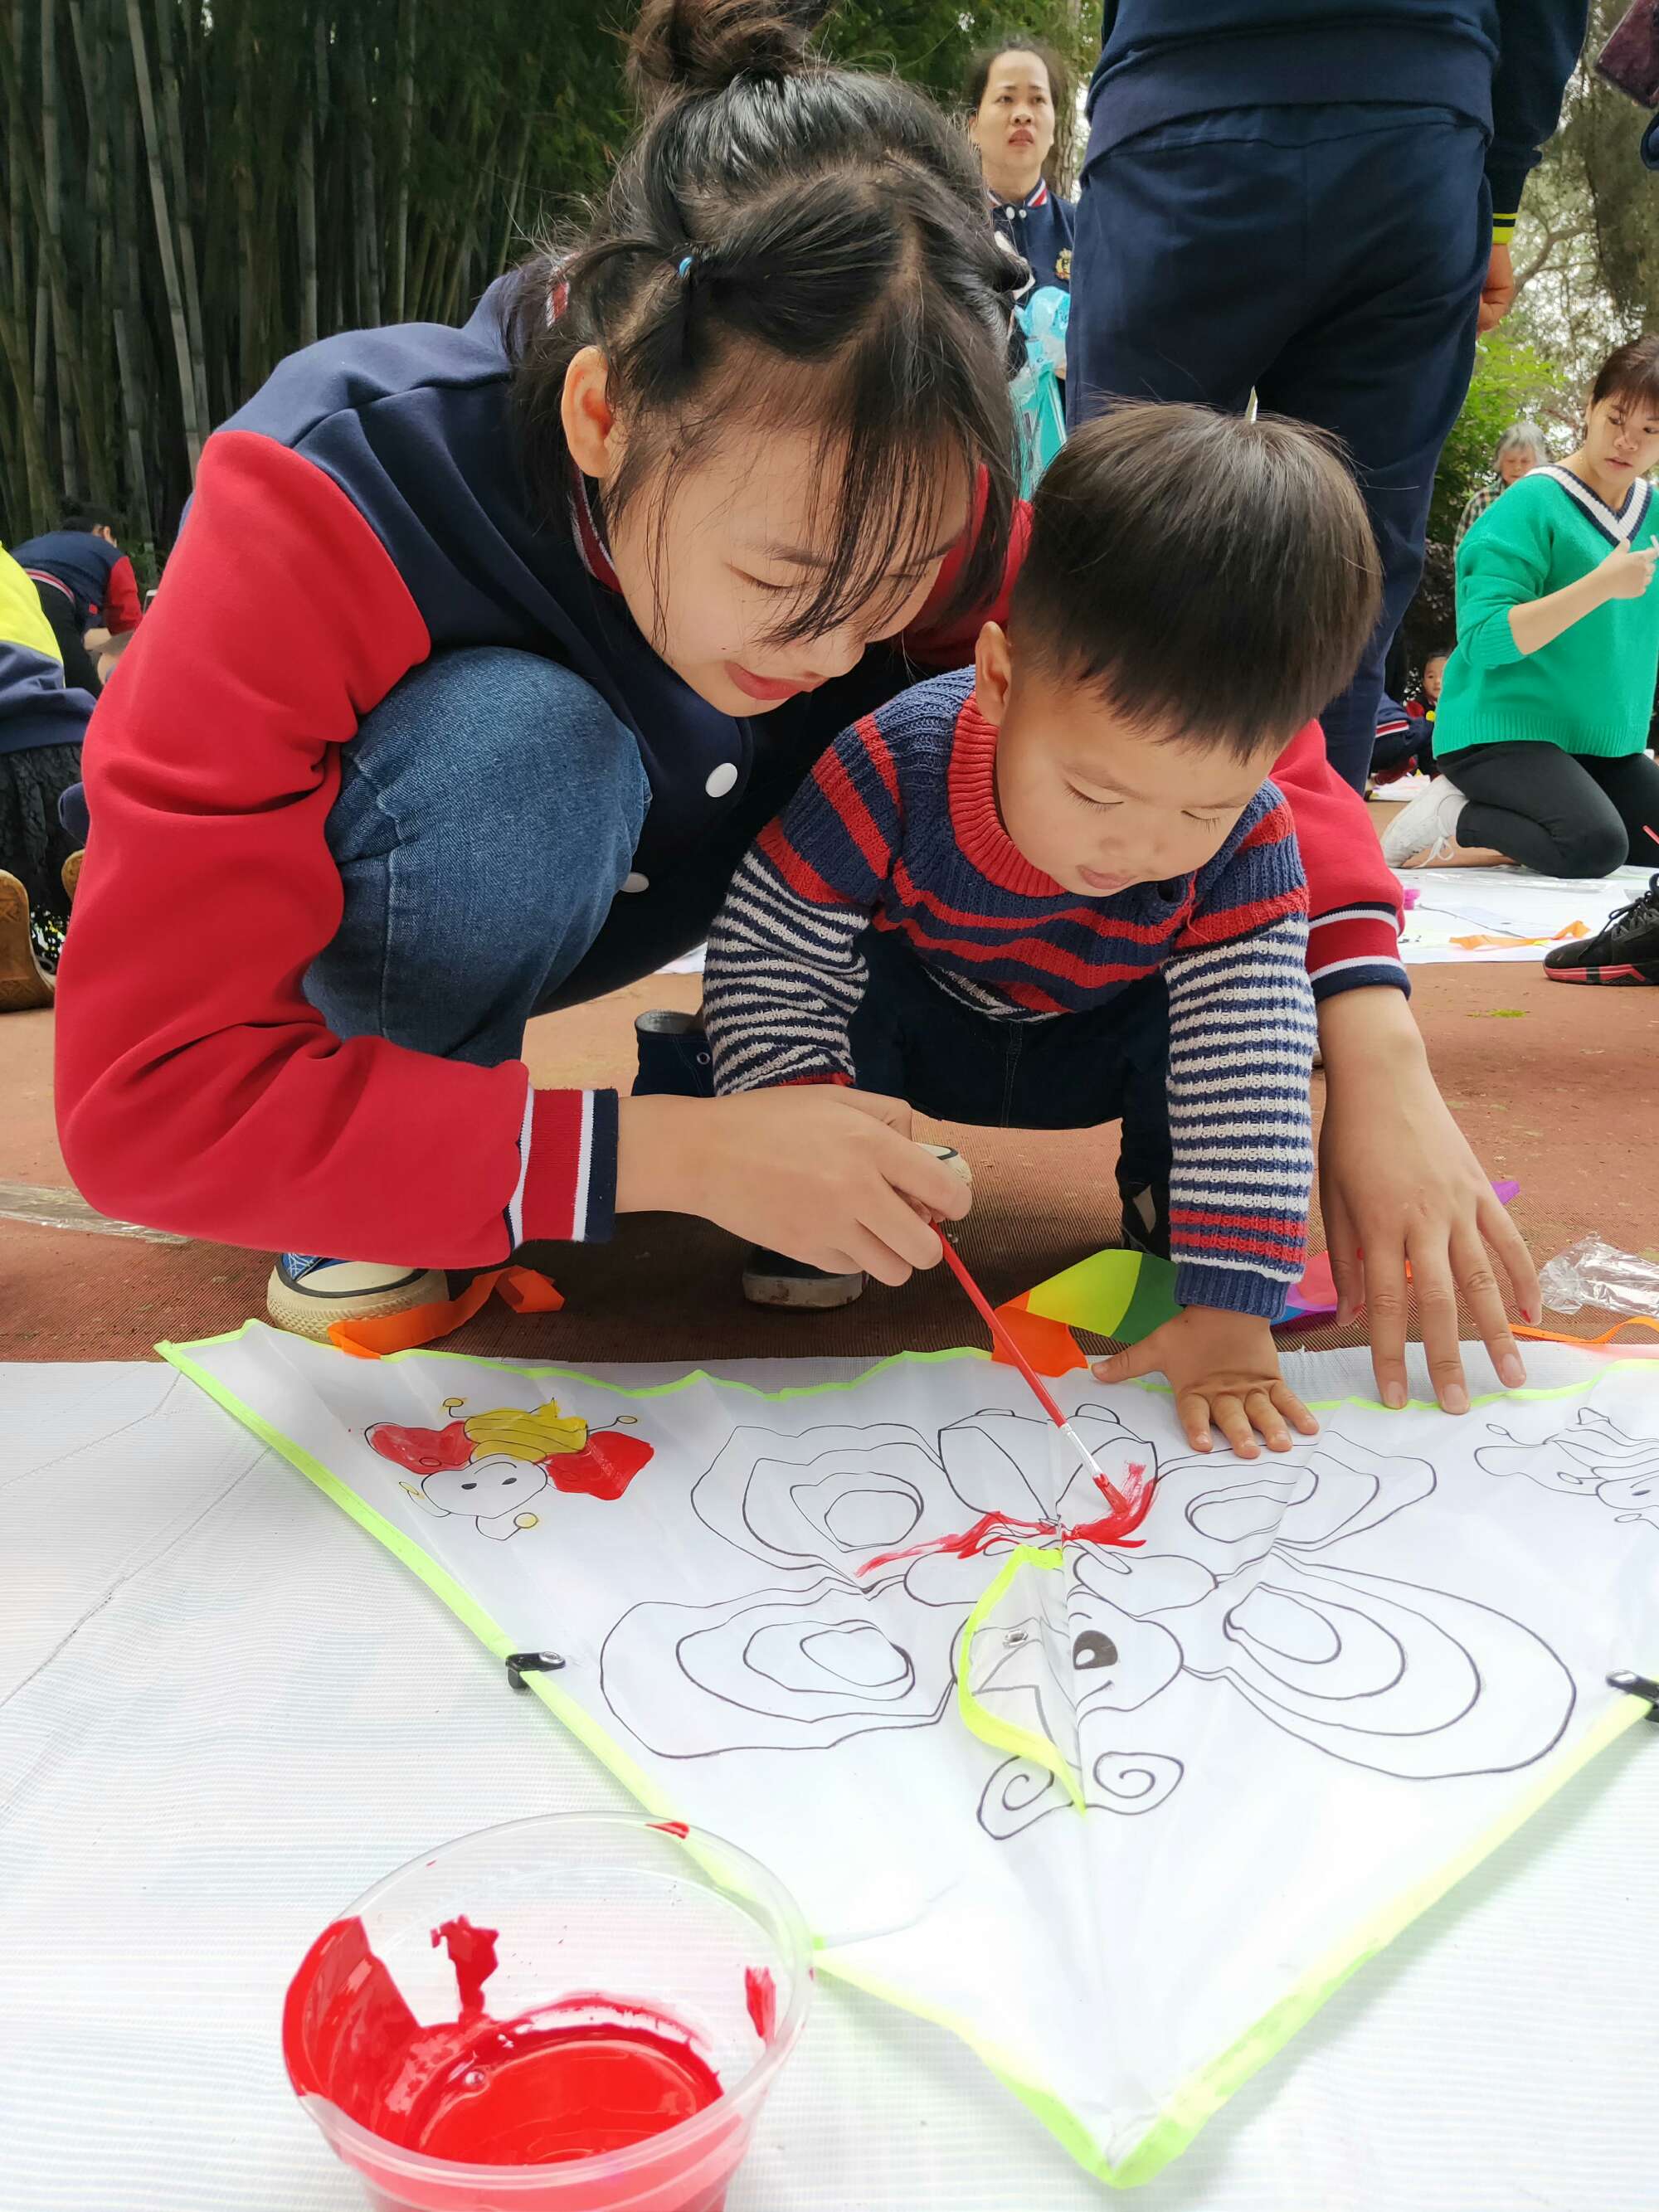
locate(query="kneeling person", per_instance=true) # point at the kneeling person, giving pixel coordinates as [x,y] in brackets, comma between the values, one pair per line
[1056,888]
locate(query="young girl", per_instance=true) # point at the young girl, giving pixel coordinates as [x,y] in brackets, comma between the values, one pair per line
[485,653]
[1018,100]
[1541,733]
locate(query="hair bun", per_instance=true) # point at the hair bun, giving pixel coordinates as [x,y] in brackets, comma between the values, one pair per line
[681,48]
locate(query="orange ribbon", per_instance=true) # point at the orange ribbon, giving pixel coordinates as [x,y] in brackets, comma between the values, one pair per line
[524,1288]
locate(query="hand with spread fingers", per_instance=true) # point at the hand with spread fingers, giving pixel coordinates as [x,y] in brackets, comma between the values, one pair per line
[1223,1371]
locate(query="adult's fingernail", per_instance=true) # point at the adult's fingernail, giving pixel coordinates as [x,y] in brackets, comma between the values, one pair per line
[1511,1371]
[1455,1398]
[1394,1395]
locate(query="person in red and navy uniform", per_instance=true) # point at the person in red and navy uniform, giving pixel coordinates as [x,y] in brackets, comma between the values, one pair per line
[1015,97]
[85,582]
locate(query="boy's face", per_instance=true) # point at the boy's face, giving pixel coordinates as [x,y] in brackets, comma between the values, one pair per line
[1093,802]
[1434,674]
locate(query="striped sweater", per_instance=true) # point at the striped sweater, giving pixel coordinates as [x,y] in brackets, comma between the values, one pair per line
[898,829]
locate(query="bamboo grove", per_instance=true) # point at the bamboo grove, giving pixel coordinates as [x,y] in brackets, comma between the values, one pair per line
[190,189]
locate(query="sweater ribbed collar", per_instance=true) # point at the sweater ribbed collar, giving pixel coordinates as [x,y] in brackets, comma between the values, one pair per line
[974,816]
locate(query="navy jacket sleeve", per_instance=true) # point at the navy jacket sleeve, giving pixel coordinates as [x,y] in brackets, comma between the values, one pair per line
[1540,42]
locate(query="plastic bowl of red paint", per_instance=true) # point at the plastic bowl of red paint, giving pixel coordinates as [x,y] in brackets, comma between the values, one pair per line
[578,2013]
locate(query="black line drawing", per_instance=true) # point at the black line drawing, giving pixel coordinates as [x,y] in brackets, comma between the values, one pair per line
[1589,1458]
[796,1669]
[1230,1581]
[493,1492]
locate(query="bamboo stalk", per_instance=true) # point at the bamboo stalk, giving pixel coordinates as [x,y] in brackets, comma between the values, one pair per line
[188,394]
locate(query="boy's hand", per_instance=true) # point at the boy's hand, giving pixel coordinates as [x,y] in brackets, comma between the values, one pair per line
[1223,1368]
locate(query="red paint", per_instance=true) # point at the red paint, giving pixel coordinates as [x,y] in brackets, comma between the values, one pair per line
[604,1467]
[672,1828]
[472,1955]
[760,1994]
[1116,1527]
[422,1451]
[573,2080]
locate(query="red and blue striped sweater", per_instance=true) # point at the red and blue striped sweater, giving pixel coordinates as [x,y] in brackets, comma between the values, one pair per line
[898,829]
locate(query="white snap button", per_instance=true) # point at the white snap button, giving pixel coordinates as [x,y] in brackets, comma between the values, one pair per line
[636,882]
[721,780]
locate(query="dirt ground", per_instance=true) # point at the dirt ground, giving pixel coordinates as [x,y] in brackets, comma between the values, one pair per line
[1554,1088]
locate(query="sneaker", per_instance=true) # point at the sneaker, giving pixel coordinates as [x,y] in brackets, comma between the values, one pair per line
[772,1278]
[674,1059]
[1424,831]
[1625,952]
[24,983]
[307,1294]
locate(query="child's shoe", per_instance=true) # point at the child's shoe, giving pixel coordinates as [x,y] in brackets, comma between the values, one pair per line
[307,1294]
[24,983]
[1625,952]
[772,1278]
[675,1062]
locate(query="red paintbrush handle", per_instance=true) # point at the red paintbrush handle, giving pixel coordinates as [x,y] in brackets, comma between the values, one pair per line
[987,1314]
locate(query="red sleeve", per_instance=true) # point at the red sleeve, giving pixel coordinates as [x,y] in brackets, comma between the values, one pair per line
[122,612]
[198,1091]
[1353,900]
[938,644]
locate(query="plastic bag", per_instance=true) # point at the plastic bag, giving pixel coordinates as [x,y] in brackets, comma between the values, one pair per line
[1037,390]
[1593,1272]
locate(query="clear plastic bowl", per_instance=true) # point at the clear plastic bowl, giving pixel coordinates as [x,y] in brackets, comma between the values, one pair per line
[683,1925]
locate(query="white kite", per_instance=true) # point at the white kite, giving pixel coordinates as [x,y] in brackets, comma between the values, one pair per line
[1119,1808]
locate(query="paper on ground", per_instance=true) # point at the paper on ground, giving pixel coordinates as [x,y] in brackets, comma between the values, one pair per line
[1505,913]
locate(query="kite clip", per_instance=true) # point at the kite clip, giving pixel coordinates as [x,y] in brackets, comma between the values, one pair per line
[1637,1685]
[521,1663]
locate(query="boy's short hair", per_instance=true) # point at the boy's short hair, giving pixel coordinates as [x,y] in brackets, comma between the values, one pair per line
[1214,579]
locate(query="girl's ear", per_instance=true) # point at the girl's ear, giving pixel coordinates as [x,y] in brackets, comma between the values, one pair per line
[591,430]
[993,668]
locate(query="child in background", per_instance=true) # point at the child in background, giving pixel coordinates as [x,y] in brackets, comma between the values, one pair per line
[1014,894]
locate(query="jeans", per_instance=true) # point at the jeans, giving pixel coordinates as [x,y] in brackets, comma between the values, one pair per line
[1331,258]
[484,832]
[486,820]
[1564,814]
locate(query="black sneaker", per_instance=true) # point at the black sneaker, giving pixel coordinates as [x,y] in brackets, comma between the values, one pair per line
[1625,952]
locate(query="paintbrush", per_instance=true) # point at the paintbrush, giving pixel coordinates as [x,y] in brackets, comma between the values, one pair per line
[989,1315]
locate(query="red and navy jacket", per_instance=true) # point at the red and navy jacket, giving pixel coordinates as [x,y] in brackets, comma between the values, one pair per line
[1041,228]
[365,510]
[97,576]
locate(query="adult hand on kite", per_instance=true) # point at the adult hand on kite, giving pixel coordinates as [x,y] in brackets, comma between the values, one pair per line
[1400,1188]
[1223,1368]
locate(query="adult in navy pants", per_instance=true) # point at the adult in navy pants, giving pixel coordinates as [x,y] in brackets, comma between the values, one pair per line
[1290,198]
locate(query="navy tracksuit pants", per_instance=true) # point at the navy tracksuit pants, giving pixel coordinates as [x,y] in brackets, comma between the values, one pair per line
[1330,258]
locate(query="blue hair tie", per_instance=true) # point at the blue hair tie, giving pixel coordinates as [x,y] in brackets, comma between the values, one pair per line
[685,267]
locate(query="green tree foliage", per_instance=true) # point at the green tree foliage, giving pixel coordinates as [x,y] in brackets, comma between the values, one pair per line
[1512,382]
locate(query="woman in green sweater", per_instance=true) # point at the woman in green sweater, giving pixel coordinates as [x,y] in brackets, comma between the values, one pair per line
[1542,729]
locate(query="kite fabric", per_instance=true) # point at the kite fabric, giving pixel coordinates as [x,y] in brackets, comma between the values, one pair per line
[1119,1812]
